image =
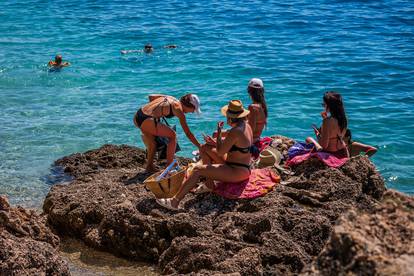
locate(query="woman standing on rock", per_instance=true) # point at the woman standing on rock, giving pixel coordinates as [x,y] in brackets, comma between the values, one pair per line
[147,118]
[334,125]
[235,146]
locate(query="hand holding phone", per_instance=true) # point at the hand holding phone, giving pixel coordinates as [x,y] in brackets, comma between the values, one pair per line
[316,130]
[208,139]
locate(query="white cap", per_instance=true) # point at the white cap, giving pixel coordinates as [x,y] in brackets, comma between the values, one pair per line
[256,83]
[195,101]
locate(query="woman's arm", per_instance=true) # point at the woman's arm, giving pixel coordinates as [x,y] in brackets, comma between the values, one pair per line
[183,122]
[223,146]
[252,117]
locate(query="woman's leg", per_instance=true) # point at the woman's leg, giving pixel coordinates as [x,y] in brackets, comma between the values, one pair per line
[310,140]
[149,127]
[220,172]
[157,129]
[209,155]
[149,141]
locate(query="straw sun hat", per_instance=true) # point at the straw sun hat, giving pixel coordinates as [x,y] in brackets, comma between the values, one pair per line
[234,110]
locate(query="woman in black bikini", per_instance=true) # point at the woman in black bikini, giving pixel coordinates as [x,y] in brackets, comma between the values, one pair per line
[147,118]
[234,151]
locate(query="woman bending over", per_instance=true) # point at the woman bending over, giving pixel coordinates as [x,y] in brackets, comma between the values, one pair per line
[234,151]
[147,119]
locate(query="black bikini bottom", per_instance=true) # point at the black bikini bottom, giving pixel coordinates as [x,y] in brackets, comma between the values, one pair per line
[140,117]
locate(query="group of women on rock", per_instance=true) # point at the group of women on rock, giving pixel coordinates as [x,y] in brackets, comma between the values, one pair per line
[227,154]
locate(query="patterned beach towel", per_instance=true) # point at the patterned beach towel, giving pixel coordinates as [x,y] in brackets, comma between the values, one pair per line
[261,182]
[329,159]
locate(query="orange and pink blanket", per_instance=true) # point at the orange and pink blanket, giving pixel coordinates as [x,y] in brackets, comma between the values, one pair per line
[260,182]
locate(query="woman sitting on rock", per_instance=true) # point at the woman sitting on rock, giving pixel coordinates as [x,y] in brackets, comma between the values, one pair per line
[147,118]
[234,151]
[334,125]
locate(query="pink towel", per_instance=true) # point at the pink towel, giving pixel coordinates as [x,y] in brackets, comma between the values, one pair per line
[260,182]
[330,159]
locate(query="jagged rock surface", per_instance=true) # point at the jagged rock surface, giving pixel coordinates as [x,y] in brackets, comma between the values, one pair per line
[280,234]
[27,245]
[371,243]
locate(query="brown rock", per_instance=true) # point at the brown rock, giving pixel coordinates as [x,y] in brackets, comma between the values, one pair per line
[279,234]
[371,243]
[27,245]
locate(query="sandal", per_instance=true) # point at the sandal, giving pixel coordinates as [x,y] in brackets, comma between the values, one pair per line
[166,203]
[202,189]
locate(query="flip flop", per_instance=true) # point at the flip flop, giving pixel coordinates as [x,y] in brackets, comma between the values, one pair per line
[166,203]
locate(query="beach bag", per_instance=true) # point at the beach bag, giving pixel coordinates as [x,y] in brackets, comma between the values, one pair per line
[162,143]
[168,186]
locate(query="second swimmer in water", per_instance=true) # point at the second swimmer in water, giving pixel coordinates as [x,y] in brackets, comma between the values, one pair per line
[147,119]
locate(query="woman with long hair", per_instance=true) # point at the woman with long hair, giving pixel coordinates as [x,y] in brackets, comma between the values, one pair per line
[147,119]
[258,109]
[234,150]
[334,125]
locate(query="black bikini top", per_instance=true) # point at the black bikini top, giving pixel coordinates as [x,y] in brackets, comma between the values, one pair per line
[169,115]
[242,150]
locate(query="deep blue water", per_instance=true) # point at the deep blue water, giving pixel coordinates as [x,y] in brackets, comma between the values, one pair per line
[363,49]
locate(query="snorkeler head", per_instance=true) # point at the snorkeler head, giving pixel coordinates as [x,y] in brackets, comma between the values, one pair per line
[255,88]
[334,104]
[191,101]
[58,59]
[148,48]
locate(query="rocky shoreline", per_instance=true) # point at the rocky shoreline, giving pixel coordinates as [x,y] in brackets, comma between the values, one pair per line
[27,244]
[320,220]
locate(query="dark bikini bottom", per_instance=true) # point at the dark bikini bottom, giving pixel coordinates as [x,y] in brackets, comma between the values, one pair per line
[140,117]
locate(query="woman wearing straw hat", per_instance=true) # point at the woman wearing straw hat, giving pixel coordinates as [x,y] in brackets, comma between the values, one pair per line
[234,149]
[147,119]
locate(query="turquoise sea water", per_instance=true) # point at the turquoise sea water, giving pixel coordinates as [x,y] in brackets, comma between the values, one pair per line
[363,49]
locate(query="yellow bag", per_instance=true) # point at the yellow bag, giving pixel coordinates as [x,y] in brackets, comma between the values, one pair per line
[166,187]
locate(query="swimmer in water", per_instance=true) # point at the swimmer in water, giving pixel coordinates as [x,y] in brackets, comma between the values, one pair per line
[148,49]
[58,62]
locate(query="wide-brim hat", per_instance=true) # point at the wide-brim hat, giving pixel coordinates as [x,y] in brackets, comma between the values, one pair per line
[269,157]
[234,109]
